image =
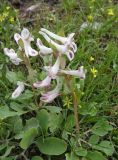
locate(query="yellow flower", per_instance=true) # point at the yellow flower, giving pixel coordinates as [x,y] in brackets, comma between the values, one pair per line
[91,59]
[67,102]
[1,18]
[110,12]
[11,19]
[90,18]
[94,72]
[7,8]
[5,14]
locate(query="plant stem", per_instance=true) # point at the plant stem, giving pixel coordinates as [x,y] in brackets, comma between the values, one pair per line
[75,101]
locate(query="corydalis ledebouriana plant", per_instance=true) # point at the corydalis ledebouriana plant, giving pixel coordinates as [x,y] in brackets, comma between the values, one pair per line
[60,46]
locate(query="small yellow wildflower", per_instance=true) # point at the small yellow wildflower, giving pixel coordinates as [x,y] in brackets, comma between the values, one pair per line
[5,14]
[11,19]
[94,72]
[110,12]
[7,8]
[1,18]
[91,59]
[67,102]
[90,18]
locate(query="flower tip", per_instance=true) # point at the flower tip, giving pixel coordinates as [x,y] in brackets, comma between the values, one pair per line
[17,37]
[25,33]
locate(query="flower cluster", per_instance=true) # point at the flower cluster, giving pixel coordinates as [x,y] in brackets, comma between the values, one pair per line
[60,47]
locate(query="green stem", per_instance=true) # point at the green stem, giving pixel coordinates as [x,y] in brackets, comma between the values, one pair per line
[28,65]
[75,101]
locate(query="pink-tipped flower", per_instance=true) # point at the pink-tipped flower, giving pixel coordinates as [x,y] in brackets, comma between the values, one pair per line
[68,48]
[26,39]
[43,49]
[52,72]
[64,40]
[54,69]
[44,83]
[12,55]
[51,95]
[18,90]
[79,73]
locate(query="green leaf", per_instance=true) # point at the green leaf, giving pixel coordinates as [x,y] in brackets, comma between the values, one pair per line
[102,127]
[89,109]
[5,112]
[106,147]
[71,156]
[31,123]
[55,121]
[43,119]
[13,77]
[17,107]
[15,124]
[81,151]
[95,155]
[28,138]
[53,109]
[27,95]
[36,158]
[94,139]
[51,145]
[70,123]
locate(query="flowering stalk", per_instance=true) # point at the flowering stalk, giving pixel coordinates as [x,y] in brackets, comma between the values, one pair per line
[75,101]
[62,48]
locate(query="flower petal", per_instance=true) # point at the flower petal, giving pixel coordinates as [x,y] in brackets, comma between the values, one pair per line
[18,90]
[51,95]
[55,36]
[50,98]
[17,37]
[54,69]
[43,49]
[44,83]
[70,55]
[79,73]
[25,33]
[60,48]
[12,55]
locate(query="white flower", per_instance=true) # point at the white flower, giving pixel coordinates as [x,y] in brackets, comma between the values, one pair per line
[43,49]
[51,95]
[79,73]
[52,72]
[18,90]
[44,83]
[63,40]
[12,55]
[26,39]
[68,47]
[54,69]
